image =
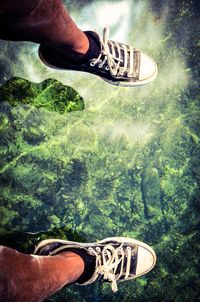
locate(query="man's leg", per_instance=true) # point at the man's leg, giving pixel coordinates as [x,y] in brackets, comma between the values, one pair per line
[45,22]
[64,46]
[34,278]
[56,263]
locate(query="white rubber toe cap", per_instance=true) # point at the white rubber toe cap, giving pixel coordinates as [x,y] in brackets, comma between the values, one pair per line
[148,68]
[146,260]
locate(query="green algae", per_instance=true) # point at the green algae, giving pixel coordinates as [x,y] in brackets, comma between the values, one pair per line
[49,94]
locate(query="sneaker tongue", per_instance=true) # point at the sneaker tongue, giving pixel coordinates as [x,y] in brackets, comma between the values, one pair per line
[132,270]
[132,266]
[118,53]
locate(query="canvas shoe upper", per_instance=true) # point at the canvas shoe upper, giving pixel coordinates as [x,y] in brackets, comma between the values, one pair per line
[117,258]
[117,63]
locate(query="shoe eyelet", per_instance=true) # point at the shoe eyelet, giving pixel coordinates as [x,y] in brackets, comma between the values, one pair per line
[129,75]
[100,66]
[92,64]
[98,249]
[107,68]
[128,248]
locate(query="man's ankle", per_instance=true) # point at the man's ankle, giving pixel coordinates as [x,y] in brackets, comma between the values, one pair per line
[73,53]
[81,53]
[89,264]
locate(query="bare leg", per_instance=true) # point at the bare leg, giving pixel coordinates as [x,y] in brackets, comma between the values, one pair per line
[64,46]
[42,21]
[34,278]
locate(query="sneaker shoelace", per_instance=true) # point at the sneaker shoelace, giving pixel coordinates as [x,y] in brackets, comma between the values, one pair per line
[118,58]
[111,264]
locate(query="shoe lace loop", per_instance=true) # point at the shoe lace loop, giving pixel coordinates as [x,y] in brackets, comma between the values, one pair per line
[119,57]
[110,263]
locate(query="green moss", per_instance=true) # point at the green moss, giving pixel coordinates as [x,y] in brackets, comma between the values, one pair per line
[50,94]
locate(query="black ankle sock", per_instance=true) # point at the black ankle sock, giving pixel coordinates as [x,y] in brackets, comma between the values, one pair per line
[94,46]
[56,55]
[90,263]
[93,51]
